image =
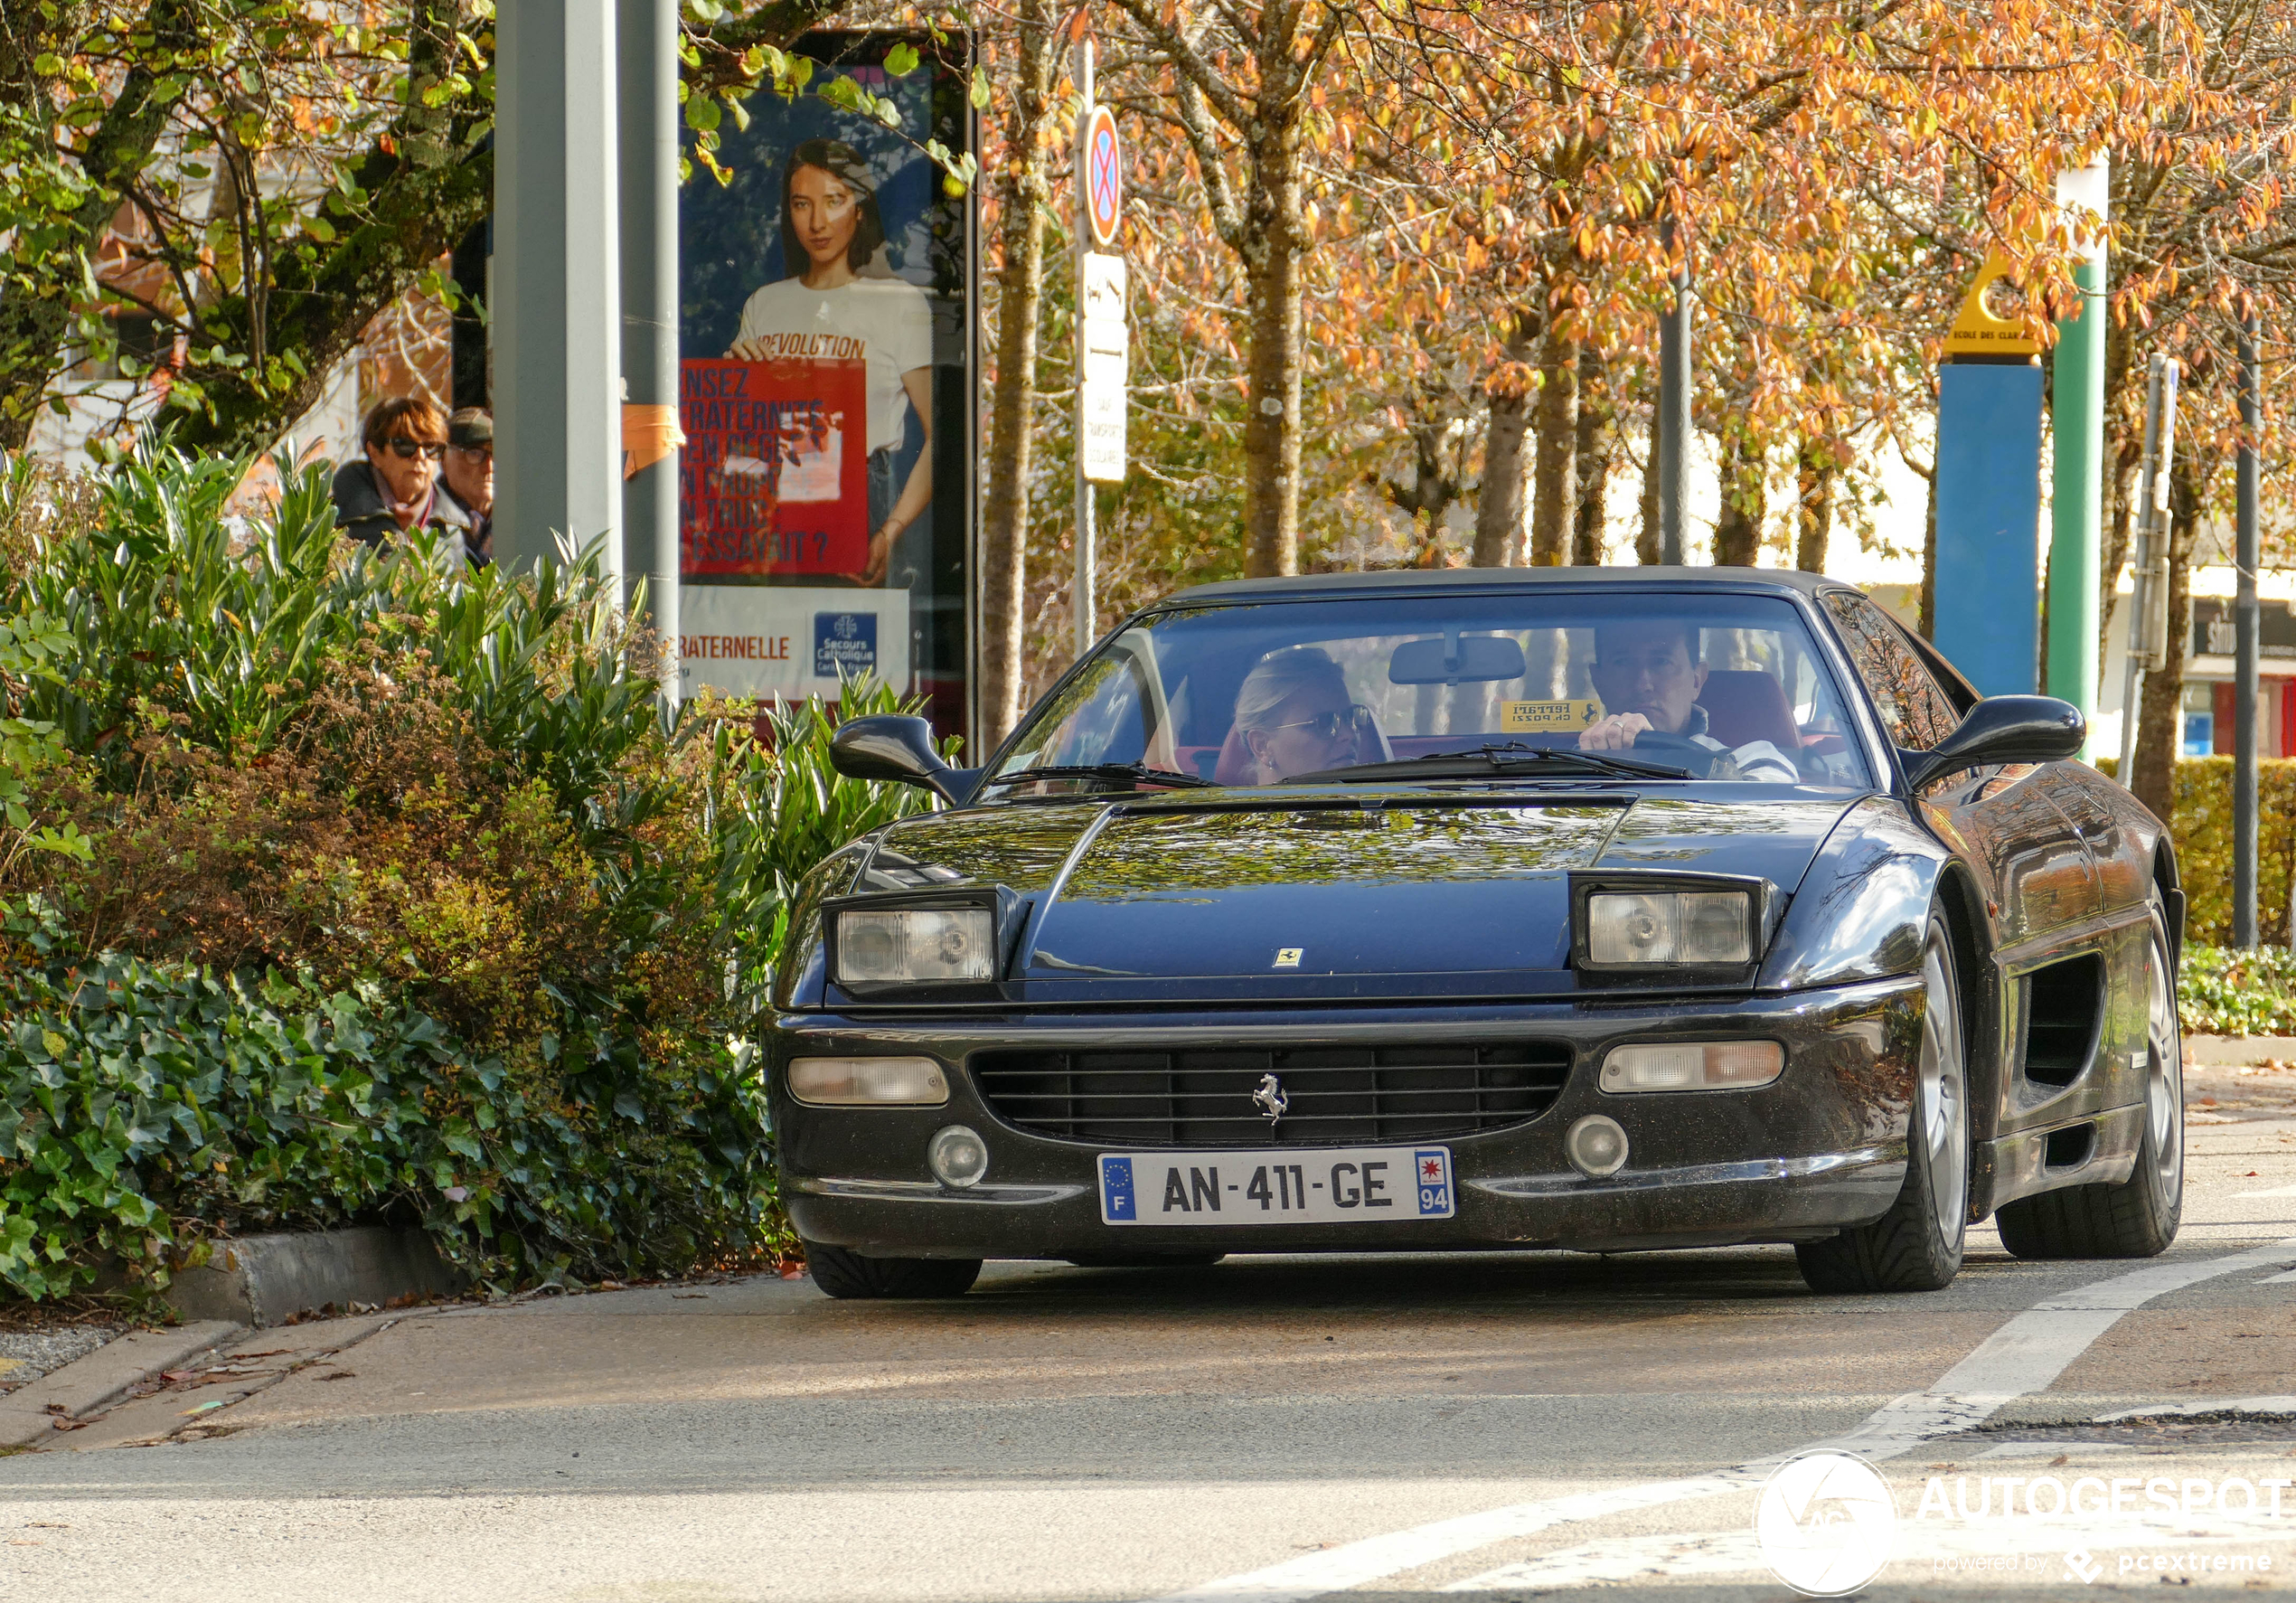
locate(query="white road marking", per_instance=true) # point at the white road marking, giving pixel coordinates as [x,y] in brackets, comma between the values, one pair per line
[2278,1190]
[2282,1278]
[2221,1405]
[1734,1552]
[2024,1356]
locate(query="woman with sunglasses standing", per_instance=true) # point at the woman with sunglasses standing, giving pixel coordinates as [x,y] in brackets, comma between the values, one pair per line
[394,486]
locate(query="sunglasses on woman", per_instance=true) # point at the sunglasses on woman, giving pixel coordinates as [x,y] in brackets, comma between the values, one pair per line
[1333,725]
[405,449]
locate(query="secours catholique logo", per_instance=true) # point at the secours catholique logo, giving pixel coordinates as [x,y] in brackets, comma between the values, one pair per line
[1826,1524]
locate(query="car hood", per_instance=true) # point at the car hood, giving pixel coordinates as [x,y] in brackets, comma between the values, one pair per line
[1218,897]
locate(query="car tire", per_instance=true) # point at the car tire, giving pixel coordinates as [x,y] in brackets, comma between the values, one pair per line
[1145,1261]
[2139,1217]
[843,1273]
[1917,1245]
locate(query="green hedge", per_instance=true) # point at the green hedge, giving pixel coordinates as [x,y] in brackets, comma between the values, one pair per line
[146,1108]
[2202,827]
[2225,991]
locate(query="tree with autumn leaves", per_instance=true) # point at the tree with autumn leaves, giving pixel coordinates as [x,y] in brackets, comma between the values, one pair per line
[1374,201]
[1396,266]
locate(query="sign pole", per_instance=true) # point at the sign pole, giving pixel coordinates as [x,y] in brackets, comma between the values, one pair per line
[1673,420]
[1104,348]
[2076,412]
[1087,95]
[2149,573]
[2245,621]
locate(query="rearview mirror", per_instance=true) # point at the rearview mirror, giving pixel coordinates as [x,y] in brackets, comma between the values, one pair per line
[2002,729]
[893,746]
[1455,659]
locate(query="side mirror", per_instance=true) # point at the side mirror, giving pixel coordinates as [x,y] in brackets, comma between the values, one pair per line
[890,746]
[2002,729]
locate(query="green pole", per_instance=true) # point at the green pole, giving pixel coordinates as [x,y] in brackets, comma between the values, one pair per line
[2077,426]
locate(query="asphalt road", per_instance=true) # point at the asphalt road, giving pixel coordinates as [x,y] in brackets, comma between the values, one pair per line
[1504,1427]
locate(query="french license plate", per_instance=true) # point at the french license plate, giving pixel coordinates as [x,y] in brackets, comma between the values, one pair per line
[1350,1185]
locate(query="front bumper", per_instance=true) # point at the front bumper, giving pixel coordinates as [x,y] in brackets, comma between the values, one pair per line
[1821,1148]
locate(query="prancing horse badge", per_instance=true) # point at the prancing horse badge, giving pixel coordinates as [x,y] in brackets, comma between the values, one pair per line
[1288,957]
[1270,1098]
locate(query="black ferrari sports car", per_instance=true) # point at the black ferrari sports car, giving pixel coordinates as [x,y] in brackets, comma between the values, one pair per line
[1556,908]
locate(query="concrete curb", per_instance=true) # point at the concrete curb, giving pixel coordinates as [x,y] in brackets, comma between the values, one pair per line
[29,1413]
[263,1280]
[2233,1051]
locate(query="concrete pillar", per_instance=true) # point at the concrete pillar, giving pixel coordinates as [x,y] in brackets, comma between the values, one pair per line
[648,109]
[558,405]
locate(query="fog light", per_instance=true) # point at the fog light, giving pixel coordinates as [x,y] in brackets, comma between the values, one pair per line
[1692,1065]
[959,1157]
[1595,1147]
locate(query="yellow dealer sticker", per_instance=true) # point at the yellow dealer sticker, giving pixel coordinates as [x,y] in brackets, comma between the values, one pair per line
[1533,718]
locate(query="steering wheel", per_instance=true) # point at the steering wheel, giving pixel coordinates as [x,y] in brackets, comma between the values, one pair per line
[1681,751]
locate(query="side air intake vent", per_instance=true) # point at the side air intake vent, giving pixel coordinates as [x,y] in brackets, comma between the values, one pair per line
[2064,1004]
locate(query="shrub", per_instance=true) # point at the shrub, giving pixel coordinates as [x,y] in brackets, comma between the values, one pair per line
[395,895]
[2201,827]
[2227,991]
[147,1107]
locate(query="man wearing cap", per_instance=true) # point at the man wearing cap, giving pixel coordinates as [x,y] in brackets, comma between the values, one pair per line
[470,478]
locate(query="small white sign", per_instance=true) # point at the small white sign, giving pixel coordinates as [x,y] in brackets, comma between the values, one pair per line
[1107,368]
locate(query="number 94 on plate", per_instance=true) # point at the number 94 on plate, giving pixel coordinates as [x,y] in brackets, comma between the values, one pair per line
[1291,1185]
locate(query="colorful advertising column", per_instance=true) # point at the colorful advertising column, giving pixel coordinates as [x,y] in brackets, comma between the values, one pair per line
[825,393]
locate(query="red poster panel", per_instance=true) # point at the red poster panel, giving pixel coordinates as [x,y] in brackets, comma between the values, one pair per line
[776,468]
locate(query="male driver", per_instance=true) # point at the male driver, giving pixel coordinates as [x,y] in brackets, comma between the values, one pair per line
[1648,672]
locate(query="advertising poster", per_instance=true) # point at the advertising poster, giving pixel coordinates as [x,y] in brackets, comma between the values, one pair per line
[826,312]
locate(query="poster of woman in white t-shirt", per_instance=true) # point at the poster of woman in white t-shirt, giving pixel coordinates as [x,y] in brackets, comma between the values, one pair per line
[832,233]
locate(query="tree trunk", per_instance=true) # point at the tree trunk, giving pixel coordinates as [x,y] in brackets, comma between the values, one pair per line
[1555,486]
[1272,279]
[1815,477]
[1647,547]
[1598,442]
[1929,560]
[1023,190]
[1737,532]
[1499,505]
[2160,726]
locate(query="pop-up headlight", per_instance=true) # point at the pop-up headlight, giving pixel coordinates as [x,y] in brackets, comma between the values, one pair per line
[1632,923]
[916,946]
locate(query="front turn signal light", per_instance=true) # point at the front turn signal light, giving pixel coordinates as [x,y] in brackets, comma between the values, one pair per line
[1692,1066]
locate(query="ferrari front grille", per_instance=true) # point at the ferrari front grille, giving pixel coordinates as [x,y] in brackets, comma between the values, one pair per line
[1330,1095]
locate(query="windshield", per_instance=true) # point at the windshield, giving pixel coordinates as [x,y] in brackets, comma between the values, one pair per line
[1721,687]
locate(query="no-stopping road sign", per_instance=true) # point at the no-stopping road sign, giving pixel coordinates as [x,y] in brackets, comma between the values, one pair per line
[1103,182]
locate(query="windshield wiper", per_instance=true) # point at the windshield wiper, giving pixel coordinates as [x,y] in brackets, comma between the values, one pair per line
[1135,771]
[1494,759]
